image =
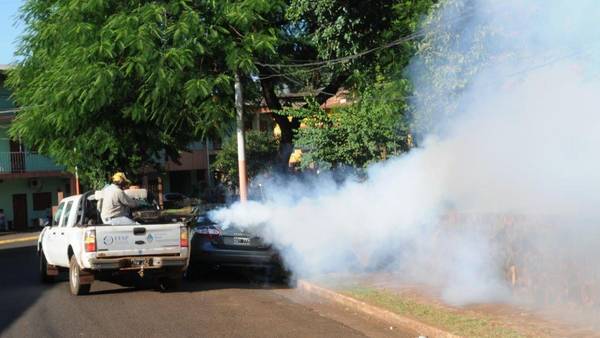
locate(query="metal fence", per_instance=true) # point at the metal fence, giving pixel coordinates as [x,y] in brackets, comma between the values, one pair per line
[23,162]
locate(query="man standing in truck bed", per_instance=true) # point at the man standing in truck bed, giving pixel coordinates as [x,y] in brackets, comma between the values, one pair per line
[115,203]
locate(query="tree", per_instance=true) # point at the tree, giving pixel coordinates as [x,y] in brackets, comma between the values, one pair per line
[129,83]
[261,152]
[366,131]
[336,30]
[111,84]
[448,57]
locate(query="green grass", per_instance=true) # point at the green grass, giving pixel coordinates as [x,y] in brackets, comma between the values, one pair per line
[457,323]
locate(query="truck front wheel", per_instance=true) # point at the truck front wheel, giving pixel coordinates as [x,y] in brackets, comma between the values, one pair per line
[75,279]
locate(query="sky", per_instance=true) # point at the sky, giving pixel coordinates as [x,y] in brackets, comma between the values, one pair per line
[8,30]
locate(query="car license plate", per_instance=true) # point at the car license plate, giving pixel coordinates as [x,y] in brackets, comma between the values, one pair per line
[241,241]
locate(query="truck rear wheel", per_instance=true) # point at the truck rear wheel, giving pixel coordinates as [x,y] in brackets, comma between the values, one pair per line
[44,277]
[170,283]
[75,279]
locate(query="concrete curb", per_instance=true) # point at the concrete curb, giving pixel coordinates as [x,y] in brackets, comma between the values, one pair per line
[379,313]
[20,239]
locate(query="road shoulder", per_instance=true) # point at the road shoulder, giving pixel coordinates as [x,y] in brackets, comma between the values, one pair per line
[430,317]
[347,316]
[372,311]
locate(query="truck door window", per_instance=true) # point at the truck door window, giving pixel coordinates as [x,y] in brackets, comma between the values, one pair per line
[59,211]
[65,215]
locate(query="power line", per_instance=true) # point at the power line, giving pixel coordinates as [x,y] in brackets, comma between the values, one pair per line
[296,72]
[410,37]
[345,58]
[326,63]
[580,52]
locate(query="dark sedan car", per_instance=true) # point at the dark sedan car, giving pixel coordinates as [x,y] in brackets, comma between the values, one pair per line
[214,246]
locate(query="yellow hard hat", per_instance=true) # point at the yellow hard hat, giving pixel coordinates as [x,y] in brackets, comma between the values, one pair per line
[120,177]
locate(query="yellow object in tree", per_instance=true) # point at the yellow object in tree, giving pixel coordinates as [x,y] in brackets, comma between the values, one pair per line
[296,156]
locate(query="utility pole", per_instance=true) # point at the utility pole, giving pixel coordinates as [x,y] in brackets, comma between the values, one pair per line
[208,175]
[239,108]
[77,192]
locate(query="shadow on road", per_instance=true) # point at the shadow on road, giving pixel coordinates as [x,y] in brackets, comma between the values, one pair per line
[233,279]
[20,287]
[215,280]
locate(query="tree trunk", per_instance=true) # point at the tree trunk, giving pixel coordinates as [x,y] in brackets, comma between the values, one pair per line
[286,143]
[289,126]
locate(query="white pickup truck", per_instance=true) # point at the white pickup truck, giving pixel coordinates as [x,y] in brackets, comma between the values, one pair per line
[78,241]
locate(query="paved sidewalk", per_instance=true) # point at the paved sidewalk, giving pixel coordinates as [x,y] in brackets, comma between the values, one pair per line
[13,232]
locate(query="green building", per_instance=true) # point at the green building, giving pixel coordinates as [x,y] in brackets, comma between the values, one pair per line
[29,182]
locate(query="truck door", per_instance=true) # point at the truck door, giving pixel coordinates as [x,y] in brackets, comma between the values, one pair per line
[61,240]
[49,239]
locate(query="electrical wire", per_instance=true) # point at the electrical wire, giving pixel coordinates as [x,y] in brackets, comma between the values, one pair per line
[410,37]
[317,65]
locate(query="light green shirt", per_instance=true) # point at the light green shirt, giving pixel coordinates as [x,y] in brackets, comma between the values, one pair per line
[115,203]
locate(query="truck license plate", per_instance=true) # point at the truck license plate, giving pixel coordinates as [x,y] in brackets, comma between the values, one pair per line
[141,261]
[241,241]
[137,261]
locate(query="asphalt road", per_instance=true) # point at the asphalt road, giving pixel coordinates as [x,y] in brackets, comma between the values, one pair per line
[224,305]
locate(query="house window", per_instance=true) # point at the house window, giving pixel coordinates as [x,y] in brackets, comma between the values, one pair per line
[42,201]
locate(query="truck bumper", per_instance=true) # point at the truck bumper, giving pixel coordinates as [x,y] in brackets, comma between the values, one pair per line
[137,263]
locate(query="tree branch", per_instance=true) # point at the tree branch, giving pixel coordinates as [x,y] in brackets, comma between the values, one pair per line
[331,89]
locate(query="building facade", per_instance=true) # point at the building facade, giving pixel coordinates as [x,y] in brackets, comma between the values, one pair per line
[190,177]
[29,182]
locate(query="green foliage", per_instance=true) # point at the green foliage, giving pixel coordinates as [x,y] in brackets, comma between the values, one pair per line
[376,125]
[366,131]
[449,56]
[128,82]
[461,323]
[261,151]
[355,34]
[339,28]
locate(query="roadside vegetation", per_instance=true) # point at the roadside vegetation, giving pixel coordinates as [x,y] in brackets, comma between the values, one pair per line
[462,324]
[261,151]
[367,130]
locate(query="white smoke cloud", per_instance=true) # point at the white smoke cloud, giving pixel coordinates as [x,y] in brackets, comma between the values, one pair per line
[511,90]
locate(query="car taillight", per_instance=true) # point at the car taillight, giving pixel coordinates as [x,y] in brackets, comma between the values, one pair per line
[90,241]
[208,232]
[183,238]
